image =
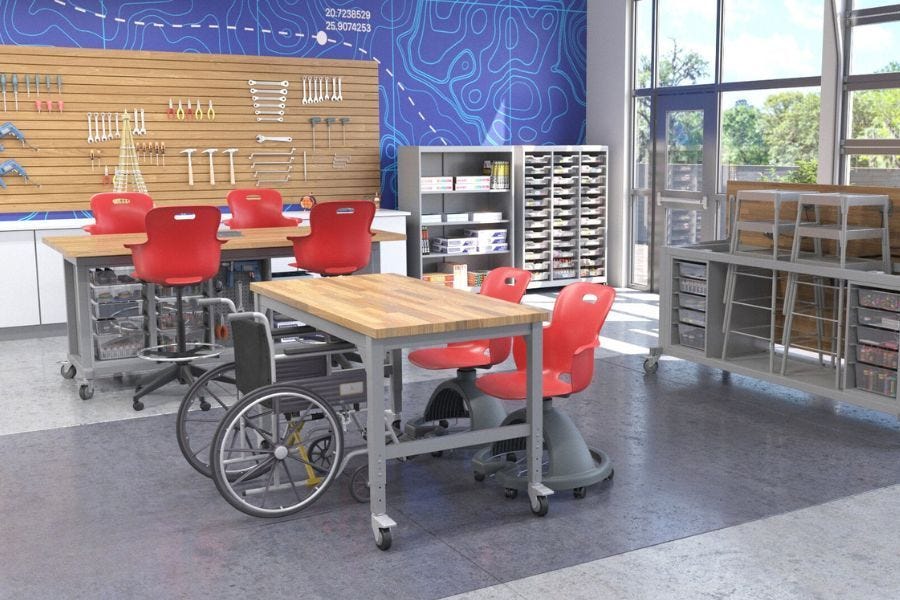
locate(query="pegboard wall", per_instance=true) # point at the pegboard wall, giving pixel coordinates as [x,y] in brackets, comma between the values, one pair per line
[95,81]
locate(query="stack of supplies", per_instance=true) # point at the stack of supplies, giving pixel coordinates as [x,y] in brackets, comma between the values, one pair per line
[488,240]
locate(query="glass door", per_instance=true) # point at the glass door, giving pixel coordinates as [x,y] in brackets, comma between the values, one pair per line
[685,205]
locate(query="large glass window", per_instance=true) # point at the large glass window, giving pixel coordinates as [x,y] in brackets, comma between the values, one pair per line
[875,114]
[769,135]
[684,150]
[687,42]
[642,143]
[875,48]
[643,43]
[759,37]
[874,169]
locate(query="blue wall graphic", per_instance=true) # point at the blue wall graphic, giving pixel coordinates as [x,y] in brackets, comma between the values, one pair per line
[468,72]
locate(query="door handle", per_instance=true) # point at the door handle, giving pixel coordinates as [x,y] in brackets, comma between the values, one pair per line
[702,203]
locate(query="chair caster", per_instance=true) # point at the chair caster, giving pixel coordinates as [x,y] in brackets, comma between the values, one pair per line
[86,391]
[383,538]
[137,405]
[542,507]
[67,370]
[479,476]
[580,492]
[204,405]
[510,493]
[610,476]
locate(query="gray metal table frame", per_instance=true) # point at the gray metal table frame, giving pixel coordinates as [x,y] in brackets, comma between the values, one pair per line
[78,312]
[373,351]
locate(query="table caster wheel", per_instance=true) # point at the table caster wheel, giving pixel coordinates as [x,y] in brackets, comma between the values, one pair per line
[137,405]
[543,506]
[478,476]
[510,493]
[67,370]
[86,391]
[383,538]
[650,366]
[579,492]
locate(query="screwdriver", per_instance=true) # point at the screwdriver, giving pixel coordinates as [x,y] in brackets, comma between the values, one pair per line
[59,84]
[3,85]
[48,84]
[15,80]
[28,84]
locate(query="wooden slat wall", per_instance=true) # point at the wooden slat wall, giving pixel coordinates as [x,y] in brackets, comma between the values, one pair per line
[107,81]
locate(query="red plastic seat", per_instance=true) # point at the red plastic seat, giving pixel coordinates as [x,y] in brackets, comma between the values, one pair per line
[119,212]
[504,283]
[256,208]
[569,342]
[182,248]
[340,238]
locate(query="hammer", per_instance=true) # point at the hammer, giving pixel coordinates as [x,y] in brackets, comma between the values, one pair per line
[212,171]
[190,151]
[230,152]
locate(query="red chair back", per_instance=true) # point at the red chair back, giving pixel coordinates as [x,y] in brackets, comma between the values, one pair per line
[119,212]
[257,207]
[505,283]
[181,247]
[340,238]
[578,316]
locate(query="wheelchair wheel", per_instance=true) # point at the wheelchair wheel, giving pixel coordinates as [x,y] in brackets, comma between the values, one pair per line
[201,410]
[267,436]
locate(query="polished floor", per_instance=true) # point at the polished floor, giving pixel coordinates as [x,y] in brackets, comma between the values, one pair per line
[725,487]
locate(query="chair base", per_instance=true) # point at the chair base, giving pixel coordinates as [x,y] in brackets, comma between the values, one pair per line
[457,398]
[572,464]
[180,372]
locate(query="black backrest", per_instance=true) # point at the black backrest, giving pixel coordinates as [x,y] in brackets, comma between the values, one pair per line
[252,354]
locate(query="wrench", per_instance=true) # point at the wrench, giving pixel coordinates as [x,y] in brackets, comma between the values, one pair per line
[274,172]
[269,98]
[291,153]
[118,135]
[279,119]
[144,123]
[97,127]
[109,117]
[334,89]
[305,99]
[257,105]
[103,137]
[280,113]
[282,91]
[264,138]
[136,130]
[322,82]
[340,87]
[272,162]
[284,180]
[90,138]
[326,88]
[283,84]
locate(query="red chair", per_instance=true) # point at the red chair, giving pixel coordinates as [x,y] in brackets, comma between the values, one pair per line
[458,398]
[568,367]
[340,238]
[119,212]
[256,208]
[182,249]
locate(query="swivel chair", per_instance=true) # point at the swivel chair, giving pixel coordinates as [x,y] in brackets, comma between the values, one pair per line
[339,240]
[256,208]
[458,398]
[568,367]
[181,249]
[119,212]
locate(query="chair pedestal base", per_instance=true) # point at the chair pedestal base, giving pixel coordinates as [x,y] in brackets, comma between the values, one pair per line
[457,398]
[572,464]
[181,372]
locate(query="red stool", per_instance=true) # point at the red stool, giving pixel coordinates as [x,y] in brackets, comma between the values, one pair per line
[256,208]
[119,212]
[458,398]
[568,367]
[182,249]
[340,238]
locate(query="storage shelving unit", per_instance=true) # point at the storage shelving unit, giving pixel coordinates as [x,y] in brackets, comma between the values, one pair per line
[415,162]
[562,192]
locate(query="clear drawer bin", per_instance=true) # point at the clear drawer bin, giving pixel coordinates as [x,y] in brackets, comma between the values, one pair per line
[691,336]
[882,338]
[692,270]
[693,317]
[879,299]
[692,302]
[112,275]
[874,355]
[877,380]
[692,286]
[114,310]
[191,336]
[116,345]
[118,326]
[116,293]
[879,318]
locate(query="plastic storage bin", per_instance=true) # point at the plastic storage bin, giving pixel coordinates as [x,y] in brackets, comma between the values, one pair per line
[694,317]
[116,293]
[196,336]
[879,299]
[112,275]
[877,380]
[879,318]
[882,338]
[692,302]
[691,336]
[874,355]
[692,270]
[116,345]
[692,286]
[111,310]
[118,326]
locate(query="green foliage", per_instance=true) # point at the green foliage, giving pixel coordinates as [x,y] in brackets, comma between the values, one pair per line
[806,172]
[743,142]
[790,126]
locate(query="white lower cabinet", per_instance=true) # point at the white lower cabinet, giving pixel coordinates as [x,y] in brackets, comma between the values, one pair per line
[18,280]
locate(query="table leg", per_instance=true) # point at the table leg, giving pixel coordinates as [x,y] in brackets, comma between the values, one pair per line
[538,493]
[373,358]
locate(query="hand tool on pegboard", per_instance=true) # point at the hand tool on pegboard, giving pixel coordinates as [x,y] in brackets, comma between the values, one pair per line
[340,96]
[15,86]
[329,121]
[305,98]
[59,84]
[261,139]
[286,161]
[163,151]
[189,113]
[109,117]
[273,119]
[313,121]
[107,180]
[212,168]
[255,154]
[47,80]
[9,129]
[27,85]
[189,152]
[211,112]
[304,166]
[3,85]
[90,137]
[179,114]
[170,114]
[198,113]
[343,121]
[230,152]
[334,96]
[11,166]
[93,158]
[103,137]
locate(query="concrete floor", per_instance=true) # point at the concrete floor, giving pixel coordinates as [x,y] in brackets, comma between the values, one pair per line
[725,487]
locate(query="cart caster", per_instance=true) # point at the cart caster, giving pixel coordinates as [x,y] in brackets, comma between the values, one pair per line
[651,366]
[204,405]
[67,370]
[543,506]
[137,405]
[86,391]
[579,492]
[359,484]
[479,476]
[510,493]
[383,538]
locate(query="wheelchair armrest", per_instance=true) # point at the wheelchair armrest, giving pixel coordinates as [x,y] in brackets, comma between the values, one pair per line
[327,348]
[280,332]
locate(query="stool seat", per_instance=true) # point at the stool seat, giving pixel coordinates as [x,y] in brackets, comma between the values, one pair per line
[172,281]
[469,355]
